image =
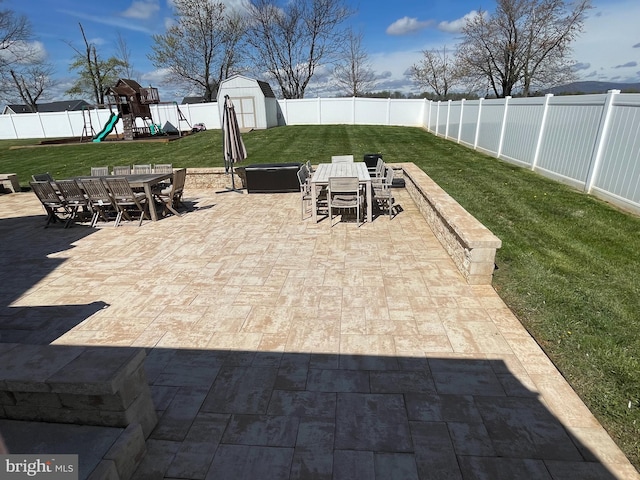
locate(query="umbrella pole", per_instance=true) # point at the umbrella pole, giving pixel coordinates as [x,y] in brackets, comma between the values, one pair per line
[233,180]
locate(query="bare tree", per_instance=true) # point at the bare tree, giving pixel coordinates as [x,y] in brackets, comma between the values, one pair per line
[24,72]
[124,54]
[31,82]
[202,48]
[95,74]
[353,73]
[437,71]
[290,42]
[524,43]
[15,31]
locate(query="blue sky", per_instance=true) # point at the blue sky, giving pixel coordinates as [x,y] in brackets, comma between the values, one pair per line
[394,35]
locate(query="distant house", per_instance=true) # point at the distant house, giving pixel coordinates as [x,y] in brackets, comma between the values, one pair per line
[187,100]
[254,101]
[60,106]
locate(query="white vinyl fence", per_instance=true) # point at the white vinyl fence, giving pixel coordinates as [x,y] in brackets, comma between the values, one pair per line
[591,142]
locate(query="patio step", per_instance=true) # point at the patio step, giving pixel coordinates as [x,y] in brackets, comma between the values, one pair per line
[104,453]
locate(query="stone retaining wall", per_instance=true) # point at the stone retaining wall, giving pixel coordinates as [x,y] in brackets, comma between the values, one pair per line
[82,385]
[198,178]
[470,244]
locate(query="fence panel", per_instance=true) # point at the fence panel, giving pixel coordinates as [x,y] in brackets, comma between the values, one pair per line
[491,125]
[335,110]
[469,122]
[521,132]
[405,113]
[455,114]
[570,137]
[371,111]
[619,174]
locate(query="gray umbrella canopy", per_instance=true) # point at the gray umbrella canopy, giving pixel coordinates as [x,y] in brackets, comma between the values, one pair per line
[234,149]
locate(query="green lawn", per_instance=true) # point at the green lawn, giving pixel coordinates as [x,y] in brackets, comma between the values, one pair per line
[569,266]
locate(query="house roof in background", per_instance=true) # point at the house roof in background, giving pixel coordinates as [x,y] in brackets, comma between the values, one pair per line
[186,100]
[59,106]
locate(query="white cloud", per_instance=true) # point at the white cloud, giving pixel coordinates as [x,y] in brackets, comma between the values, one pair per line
[111,21]
[456,25]
[142,9]
[24,52]
[406,26]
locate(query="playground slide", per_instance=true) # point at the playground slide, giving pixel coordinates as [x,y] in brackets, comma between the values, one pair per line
[108,127]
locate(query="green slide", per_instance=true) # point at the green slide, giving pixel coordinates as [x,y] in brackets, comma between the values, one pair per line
[108,127]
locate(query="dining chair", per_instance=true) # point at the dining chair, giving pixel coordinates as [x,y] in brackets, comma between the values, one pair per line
[142,169]
[382,191]
[77,202]
[122,170]
[342,159]
[127,200]
[42,177]
[99,171]
[171,195]
[344,193]
[379,171]
[163,168]
[53,204]
[305,190]
[309,167]
[304,179]
[372,160]
[100,200]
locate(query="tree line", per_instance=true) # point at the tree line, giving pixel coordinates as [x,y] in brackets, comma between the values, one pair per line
[523,45]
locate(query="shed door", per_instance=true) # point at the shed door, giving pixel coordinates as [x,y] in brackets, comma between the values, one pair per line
[245,111]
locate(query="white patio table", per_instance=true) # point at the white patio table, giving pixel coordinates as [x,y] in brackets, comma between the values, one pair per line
[325,171]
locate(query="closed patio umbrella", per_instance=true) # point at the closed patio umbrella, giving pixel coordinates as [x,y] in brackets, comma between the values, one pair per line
[233,146]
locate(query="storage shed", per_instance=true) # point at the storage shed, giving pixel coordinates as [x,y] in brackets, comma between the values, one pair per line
[255,103]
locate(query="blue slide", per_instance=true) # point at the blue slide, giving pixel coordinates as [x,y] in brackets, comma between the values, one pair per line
[108,127]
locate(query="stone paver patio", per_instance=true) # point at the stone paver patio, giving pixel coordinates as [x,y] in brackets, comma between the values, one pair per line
[278,348]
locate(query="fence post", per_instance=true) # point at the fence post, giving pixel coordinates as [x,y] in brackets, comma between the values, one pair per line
[389,111]
[437,117]
[319,111]
[543,124]
[13,124]
[460,121]
[69,122]
[446,130]
[477,135]
[504,125]
[286,112]
[44,133]
[601,140]
[353,110]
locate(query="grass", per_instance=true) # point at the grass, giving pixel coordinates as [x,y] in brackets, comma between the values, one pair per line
[569,265]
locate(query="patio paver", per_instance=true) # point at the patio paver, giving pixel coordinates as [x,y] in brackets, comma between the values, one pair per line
[279,348]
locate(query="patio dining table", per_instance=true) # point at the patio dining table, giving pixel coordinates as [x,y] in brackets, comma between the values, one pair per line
[325,171]
[145,181]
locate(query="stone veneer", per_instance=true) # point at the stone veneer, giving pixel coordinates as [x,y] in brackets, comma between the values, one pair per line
[82,385]
[470,244]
